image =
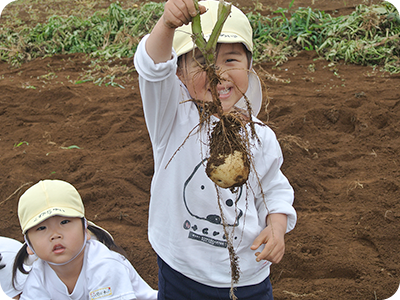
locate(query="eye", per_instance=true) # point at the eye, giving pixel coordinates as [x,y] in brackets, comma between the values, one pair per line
[231,61]
[40,228]
[65,222]
[200,60]
[201,63]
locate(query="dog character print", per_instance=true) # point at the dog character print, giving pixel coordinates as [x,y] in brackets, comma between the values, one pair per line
[205,224]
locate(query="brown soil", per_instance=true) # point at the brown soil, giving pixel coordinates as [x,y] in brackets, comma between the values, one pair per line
[339,127]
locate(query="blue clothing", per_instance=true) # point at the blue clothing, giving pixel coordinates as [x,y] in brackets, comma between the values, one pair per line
[173,285]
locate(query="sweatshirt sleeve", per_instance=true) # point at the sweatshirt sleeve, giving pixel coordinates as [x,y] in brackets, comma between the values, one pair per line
[161,92]
[276,195]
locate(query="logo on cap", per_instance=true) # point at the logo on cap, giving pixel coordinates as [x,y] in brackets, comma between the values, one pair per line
[47,213]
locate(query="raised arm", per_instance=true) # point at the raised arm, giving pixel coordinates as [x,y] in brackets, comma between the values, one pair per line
[176,13]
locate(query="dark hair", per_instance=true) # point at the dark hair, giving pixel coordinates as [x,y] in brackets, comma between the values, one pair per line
[2,266]
[105,238]
[100,234]
[21,256]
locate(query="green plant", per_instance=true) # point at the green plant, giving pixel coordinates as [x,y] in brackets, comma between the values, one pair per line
[16,145]
[114,33]
[368,36]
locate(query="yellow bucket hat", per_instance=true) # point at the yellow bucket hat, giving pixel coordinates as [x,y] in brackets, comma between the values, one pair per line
[236,29]
[46,199]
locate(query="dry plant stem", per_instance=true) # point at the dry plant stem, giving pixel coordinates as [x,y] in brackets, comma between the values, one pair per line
[16,191]
[190,133]
[234,259]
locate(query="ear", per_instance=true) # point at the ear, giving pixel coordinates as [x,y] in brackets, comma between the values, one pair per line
[180,70]
[179,73]
[29,250]
[88,235]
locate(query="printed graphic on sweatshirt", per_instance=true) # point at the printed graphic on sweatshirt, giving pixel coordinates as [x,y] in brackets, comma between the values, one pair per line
[207,227]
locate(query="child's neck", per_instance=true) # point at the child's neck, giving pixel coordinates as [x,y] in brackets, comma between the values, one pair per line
[70,272]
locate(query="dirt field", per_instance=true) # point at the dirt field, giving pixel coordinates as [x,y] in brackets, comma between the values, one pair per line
[339,127]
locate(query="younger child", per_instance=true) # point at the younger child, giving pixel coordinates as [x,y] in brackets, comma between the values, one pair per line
[191,223]
[8,250]
[71,265]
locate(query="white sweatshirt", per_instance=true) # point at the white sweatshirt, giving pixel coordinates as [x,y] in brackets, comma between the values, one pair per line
[185,227]
[105,275]
[8,250]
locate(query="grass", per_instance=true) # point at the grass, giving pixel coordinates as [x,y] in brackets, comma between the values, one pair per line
[368,36]
[16,145]
[111,34]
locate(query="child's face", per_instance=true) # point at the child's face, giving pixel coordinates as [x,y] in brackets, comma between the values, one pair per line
[232,63]
[57,239]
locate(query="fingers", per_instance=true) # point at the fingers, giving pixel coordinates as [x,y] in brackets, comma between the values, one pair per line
[262,238]
[180,12]
[202,9]
[273,253]
[274,246]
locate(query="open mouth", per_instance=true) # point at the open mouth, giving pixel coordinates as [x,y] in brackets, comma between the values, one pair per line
[224,92]
[58,249]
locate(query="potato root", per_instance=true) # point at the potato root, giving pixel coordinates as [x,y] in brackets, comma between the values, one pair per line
[228,165]
[233,172]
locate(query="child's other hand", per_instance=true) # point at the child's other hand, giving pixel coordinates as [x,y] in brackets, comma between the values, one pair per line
[179,12]
[273,236]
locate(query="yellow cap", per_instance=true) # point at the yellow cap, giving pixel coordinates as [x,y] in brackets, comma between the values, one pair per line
[46,199]
[236,29]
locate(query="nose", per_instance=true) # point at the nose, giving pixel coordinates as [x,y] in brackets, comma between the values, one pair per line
[223,73]
[55,235]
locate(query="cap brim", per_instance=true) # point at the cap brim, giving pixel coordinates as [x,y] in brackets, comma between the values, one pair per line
[101,228]
[224,38]
[253,94]
[51,212]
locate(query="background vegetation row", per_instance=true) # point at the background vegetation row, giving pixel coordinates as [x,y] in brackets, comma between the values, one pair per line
[369,36]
